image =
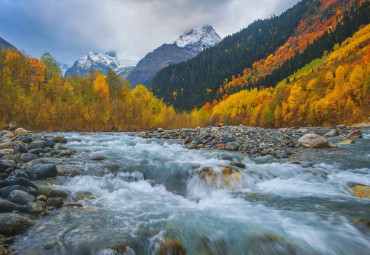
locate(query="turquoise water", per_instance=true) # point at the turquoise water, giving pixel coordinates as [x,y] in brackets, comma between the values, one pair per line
[147,190]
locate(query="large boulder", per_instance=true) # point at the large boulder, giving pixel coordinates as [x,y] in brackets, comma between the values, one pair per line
[13,224]
[355,134]
[313,140]
[362,191]
[20,197]
[21,132]
[13,180]
[4,192]
[333,132]
[43,171]
[37,144]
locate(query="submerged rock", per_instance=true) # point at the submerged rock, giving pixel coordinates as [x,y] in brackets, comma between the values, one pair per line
[362,191]
[346,142]
[172,247]
[313,140]
[59,139]
[273,244]
[13,224]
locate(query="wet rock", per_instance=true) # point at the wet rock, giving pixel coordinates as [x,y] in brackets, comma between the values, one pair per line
[225,177]
[273,244]
[55,202]
[7,206]
[21,132]
[225,139]
[70,173]
[43,171]
[313,140]
[160,130]
[354,134]
[59,139]
[27,157]
[17,181]
[48,143]
[6,145]
[37,144]
[4,192]
[37,207]
[41,198]
[7,152]
[50,192]
[20,197]
[363,221]
[346,142]
[25,139]
[187,140]
[172,247]
[98,158]
[333,132]
[37,151]
[237,164]
[362,191]
[232,146]
[13,224]
[20,149]
[72,204]
[4,166]
[9,135]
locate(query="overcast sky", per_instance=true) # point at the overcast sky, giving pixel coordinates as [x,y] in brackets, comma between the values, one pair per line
[69,29]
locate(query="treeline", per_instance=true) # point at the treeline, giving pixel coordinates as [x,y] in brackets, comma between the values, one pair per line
[36,96]
[352,20]
[332,90]
[192,83]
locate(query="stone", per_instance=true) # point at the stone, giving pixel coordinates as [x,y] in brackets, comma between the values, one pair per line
[237,164]
[362,191]
[98,158]
[37,207]
[72,204]
[59,139]
[37,151]
[9,135]
[13,224]
[354,134]
[21,132]
[50,192]
[41,198]
[25,139]
[160,130]
[55,202]
[346,142]
[333,132]
[27,157]
[37,144]
[227,177]
[20,149]
[7,152]
[20,197]
[4,192]
[313,140]
[6,145]
[70,173]
[4,166]
[43,171]
[17,181]
[172,246]
[273,244]
[7,206]
[232,146]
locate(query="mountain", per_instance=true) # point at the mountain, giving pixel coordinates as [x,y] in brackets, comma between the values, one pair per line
[185,47]
[248,58]
[5,44]
[99,62]
[63,67]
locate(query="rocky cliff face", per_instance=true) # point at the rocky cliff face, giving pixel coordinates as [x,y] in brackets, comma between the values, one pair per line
[5,44]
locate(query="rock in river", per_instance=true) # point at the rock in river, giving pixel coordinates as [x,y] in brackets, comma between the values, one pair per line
[20,197]
[313,140]
[7,206]
[172,246]
[43,171]
[362,191]
[50,192]
[12,224]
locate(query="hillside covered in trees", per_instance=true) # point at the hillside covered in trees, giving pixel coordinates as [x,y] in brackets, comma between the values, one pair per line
[261,54]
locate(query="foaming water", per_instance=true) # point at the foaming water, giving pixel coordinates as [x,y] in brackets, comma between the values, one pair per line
[146,190]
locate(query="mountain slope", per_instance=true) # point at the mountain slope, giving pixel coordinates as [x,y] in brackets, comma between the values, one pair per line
[5,44]
[250,55]
[185,47]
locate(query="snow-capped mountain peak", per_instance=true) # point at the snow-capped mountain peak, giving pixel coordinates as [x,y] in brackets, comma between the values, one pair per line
[199,38]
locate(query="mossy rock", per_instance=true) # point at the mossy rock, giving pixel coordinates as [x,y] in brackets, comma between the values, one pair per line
[172,247]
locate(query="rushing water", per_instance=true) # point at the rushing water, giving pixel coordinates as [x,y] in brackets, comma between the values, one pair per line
[147,190]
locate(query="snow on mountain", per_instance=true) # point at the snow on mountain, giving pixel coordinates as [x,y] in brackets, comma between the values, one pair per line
[185,47]
[98,62]
[198,39]
[63,67]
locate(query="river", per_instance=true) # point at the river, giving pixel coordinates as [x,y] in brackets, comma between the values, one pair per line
[146,190]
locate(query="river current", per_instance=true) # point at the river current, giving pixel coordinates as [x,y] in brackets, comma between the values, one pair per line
[147,190]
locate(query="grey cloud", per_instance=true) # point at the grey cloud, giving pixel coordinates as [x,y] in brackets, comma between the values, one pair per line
[71,28]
